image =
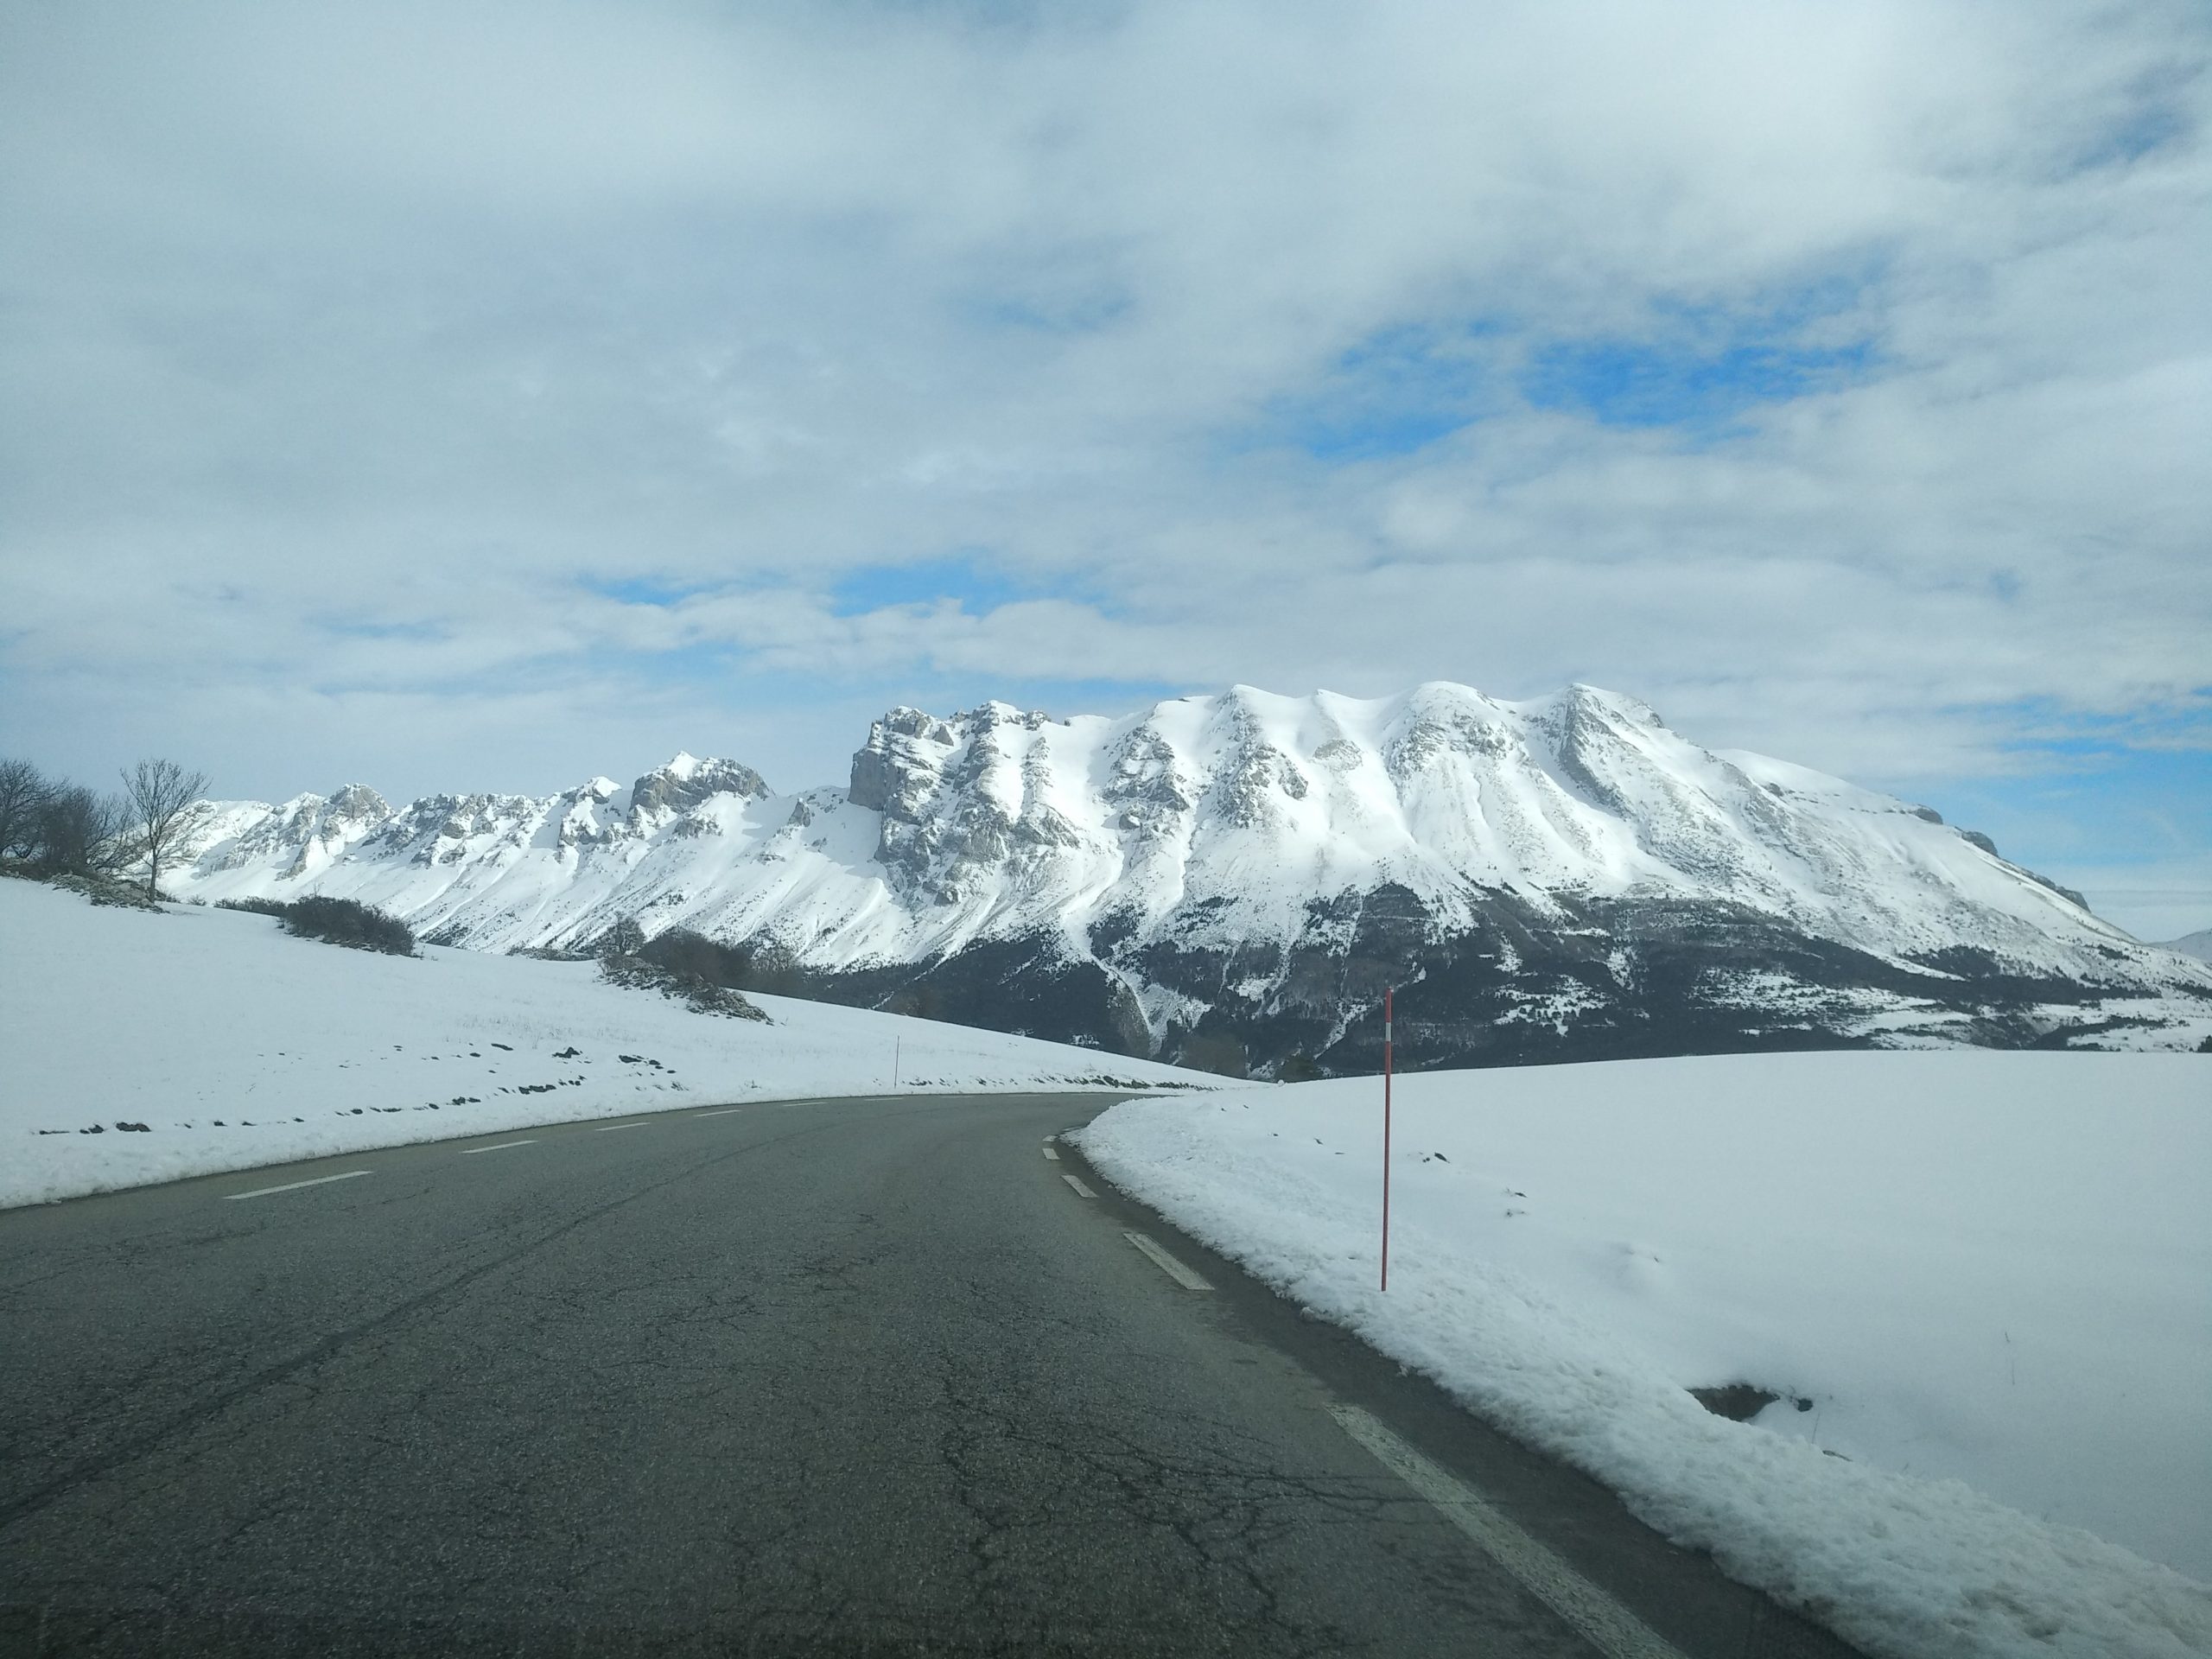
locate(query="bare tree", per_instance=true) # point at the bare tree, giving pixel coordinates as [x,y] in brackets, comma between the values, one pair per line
[83,833]
[23,792]
[160,793]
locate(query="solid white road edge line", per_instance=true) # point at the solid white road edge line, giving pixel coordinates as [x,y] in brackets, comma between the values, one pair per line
[1081,1191]
[470,1152]
[1167,1264]
[719,1111]
[294,1186]
[1049,1153]
[606,1128]
[1601,1621]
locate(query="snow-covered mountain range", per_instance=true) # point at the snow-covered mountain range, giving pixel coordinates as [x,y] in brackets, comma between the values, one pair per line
[1232,879]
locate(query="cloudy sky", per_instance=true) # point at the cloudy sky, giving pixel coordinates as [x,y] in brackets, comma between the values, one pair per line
[488,396]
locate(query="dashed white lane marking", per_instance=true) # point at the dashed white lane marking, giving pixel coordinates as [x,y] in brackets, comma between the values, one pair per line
[1049,1153]
[608,1129]
[470,1152]
[719,1111]
[294,1186]
[1081,1191]
[1167,1264]
[1602,1621]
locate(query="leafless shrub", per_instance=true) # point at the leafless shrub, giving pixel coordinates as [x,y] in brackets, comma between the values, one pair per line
[80,833]
[161,794]
[23,793]
[625,938]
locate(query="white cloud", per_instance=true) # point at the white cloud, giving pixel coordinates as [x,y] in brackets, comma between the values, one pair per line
[348,351]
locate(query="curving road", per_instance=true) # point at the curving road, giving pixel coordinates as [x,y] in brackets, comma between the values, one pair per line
[869,1376]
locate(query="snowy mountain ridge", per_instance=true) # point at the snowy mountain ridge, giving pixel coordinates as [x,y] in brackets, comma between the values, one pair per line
[1243,871]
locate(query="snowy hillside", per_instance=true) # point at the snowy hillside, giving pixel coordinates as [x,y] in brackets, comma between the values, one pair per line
[2197,944]
[1232,879]
[146,1045]
[1942,1269]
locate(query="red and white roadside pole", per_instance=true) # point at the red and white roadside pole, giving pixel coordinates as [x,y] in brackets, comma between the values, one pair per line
[1386,1139]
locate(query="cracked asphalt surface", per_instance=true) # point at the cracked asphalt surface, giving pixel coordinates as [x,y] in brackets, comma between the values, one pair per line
[854,1377]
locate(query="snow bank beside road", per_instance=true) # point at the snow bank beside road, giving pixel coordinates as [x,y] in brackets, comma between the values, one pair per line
[1985,1272]
[236,1045]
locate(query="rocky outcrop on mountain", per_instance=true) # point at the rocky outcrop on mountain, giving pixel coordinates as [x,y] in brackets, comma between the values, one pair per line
[676,788]
[1232,881]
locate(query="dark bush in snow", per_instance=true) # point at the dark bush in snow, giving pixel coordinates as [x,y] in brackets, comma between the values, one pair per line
[703,995]
[625,938]
[83,834]
[345,921]
[258,906]
[682,952]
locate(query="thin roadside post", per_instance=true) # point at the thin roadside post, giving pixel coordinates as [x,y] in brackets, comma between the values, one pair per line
[1386,1139]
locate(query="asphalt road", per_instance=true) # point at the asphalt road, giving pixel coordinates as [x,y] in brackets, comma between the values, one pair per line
[871,1377]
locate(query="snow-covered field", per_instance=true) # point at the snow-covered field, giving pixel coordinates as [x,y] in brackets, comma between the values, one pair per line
[1988,1274]
[235,1045]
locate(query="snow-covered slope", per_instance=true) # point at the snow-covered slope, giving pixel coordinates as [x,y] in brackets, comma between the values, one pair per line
[1233,878]
[1977,1279]
[146,1045]
[2197,944]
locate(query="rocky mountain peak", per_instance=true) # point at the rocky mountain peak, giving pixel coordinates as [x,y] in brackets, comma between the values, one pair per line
[686,781]
[902,760]
[359,803]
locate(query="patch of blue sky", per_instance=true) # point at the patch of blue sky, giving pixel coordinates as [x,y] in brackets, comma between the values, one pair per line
[644,590]
[2158,113]
[1700,367]
[2179,723]
[1696,368]
[950,693]
[707,666]
[2145,130]
[968,580]
[1647,383]
[1395,393]
[2133,788]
